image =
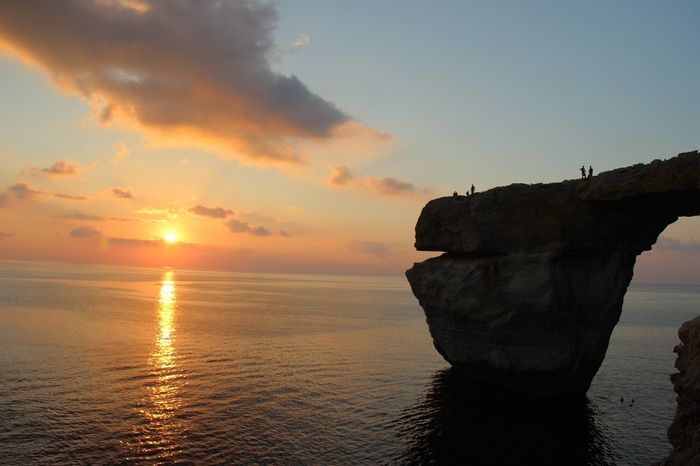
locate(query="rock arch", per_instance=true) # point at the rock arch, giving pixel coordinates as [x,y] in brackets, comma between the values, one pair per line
[533,277]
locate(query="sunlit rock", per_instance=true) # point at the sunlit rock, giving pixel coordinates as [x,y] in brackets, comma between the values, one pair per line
[533,276]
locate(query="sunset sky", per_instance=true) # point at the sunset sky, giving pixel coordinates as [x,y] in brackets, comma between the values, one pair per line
[305,136]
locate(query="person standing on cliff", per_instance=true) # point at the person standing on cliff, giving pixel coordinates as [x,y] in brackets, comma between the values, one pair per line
[472,189]
[590,171]
[583,171]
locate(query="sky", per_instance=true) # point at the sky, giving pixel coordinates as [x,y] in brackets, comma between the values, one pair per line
[305,136]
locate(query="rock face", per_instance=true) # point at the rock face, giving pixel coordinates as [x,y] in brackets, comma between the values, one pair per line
[684,433]
[533,276]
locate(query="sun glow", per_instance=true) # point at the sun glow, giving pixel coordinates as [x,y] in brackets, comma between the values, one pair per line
[170,237]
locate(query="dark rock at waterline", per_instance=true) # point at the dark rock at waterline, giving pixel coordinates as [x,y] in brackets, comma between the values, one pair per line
[533,276]
[684,433]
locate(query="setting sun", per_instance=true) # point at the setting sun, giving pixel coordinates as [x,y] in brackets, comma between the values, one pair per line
[170,237]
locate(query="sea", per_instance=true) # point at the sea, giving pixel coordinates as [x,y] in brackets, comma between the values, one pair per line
[114,365]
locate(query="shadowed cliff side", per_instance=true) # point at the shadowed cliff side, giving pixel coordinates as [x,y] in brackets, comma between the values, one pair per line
[533,276]
[456,423]
[684,433]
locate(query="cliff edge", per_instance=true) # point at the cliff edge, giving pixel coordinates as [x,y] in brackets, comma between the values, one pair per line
[684,433]
[532,279]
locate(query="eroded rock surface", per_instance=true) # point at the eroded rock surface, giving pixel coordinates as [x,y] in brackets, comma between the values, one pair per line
[533,276]
[684,433]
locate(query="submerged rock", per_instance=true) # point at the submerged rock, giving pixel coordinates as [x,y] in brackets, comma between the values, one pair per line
[684,433]
[533,276]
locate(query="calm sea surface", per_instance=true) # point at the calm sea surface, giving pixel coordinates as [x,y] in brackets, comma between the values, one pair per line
[121,365]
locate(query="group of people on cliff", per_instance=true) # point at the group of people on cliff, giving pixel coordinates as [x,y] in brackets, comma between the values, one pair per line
[455,194]
[583,176]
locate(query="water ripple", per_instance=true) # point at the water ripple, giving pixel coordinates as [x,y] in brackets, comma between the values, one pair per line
[187,367]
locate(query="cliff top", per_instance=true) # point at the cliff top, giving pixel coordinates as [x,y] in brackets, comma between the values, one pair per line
[622,209]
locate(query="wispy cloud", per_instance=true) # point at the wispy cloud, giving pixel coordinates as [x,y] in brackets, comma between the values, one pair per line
[134,241]
[671,244]
[302,41]
[160,214]
[6,234]
[372,248]
[213,212]
[88,233]
[60,168]
[76,215]
[122,193]
[122,152]
[341,177]
[18,193]
[85,232]
[236,226]
[194,72]
[70,197]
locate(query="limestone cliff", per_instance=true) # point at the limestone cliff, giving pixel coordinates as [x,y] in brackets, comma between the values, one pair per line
[684,433]
[533,276]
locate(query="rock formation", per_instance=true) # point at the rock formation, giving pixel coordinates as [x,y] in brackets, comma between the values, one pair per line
[684,433]
[533,276]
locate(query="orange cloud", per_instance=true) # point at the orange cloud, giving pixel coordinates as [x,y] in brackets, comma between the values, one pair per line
[23,192]
[193,72]
[341,177]
[213,212]
[302,41]
[85,232]
[59,168]
[76,215]
[122,193]
[236,226]
[17,193]
[122,152]
[92,233]
[372,248]
[70,197]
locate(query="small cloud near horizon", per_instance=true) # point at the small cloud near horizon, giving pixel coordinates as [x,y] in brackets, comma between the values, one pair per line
[17,193]
[85,232]
[122,193]
[88,233]
[671,244]
[6,234]
[60,168]
[372,248]
[70,197]
[236,226]
[212,212]
[76,215]
[341,177]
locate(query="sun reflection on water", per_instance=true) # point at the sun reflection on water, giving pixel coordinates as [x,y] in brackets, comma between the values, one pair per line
[157,436]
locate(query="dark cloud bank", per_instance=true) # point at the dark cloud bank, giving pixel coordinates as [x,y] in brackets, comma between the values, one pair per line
[196,67]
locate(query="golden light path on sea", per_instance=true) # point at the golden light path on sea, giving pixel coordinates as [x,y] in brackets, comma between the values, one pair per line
[158,435]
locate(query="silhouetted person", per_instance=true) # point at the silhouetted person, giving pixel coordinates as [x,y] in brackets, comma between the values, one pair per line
[472,189]
[583,171]
[467,193]
[454,194]
[590,171]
